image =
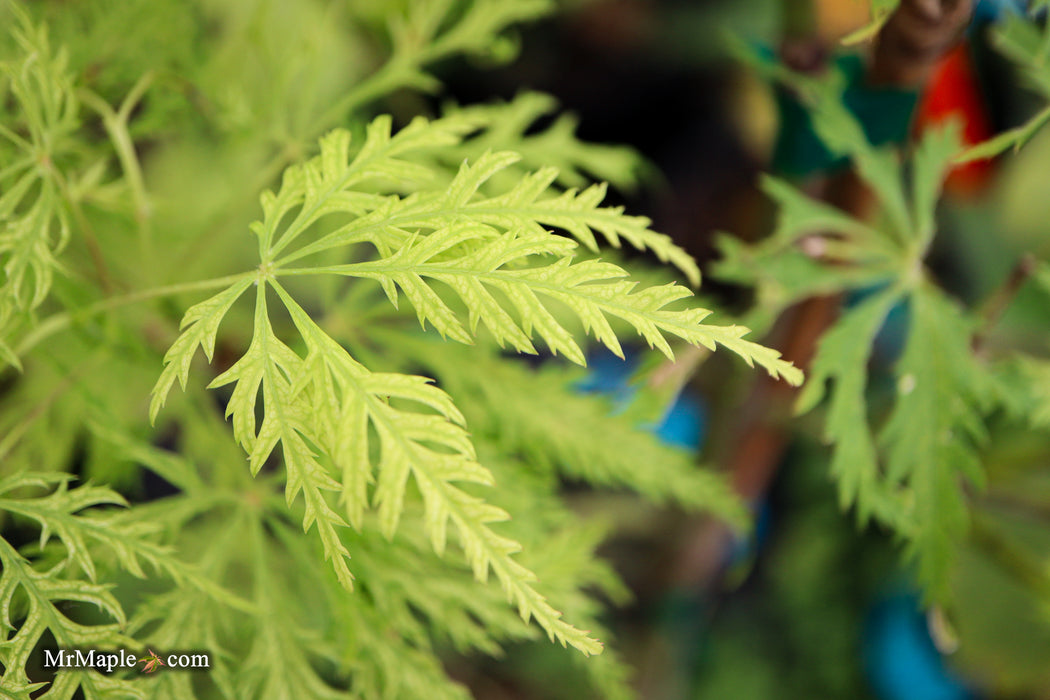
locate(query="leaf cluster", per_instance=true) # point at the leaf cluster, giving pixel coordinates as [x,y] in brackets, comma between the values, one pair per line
[488,252]
[353,553]
[912,461]
[36,600]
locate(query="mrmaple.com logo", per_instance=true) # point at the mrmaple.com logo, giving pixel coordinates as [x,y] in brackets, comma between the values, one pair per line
[109,661]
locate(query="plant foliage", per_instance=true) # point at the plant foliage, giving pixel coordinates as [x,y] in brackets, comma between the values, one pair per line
[914,466]
[359,480]
[472,224]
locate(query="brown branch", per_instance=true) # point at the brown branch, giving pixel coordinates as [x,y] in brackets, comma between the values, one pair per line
[1018,503]
[1009,557]
[993,309]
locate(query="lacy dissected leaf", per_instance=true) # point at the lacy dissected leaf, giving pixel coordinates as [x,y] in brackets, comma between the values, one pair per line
[304,636]
[384,666]
[88,538]
[269,367]
[258,650]
[919,496]
[200,324]
[29,242]
[537,414]
[476,246]
[562,550]
[45,593]
[433,29]
[333,183]
[511,126]
[410,594]
[932,435]
[34,226]
[327,404]
[366,649]
[330,414]
[579,214]
[566,559]
[384,641]
[818,249]
[914,477]
[422,597]
[842,358]
[59,514]
[483,276]
[325,185]
[556,150]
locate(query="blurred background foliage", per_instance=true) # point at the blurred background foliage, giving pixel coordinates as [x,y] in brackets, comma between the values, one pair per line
[808,606]
[813,607]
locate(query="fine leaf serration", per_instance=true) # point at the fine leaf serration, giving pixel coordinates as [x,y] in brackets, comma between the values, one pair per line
[378,216]
[36,596]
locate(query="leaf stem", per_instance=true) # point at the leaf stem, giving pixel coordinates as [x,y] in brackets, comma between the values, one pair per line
[59,322]
[88,233]
[1009,557]
[996,305]
[116,124]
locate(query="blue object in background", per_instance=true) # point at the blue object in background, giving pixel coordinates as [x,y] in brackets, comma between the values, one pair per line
[683,425]
[900,658]
[992,10]
[611,376]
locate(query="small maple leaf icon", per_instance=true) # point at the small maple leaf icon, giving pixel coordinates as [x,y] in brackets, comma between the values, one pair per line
[152,662]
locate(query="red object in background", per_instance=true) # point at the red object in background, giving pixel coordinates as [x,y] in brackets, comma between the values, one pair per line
[953,91]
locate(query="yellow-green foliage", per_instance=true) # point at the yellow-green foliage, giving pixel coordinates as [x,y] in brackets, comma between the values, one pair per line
[339,535]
